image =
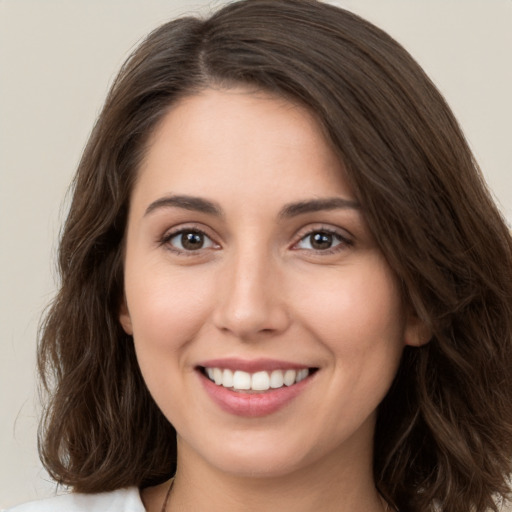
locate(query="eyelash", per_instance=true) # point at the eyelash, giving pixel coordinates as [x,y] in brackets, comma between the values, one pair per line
[343,241]
[167,238]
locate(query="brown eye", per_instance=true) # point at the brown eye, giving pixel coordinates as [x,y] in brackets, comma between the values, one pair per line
[190,241]
[322,241]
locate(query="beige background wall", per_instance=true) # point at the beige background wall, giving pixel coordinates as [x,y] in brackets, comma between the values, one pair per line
[57,59]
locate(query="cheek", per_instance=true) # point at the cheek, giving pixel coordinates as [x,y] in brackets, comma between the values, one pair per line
[167,310]
[167,307]
[357,312]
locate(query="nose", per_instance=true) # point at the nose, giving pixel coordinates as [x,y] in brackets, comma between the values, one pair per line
[251,302]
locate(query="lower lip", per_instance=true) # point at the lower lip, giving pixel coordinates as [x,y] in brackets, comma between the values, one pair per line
[252,405]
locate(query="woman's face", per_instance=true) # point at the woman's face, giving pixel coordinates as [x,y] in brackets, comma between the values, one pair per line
[249,263]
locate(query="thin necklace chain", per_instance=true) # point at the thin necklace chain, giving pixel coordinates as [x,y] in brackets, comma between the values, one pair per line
[168,493]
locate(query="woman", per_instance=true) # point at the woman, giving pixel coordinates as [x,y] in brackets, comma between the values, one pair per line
[284,283]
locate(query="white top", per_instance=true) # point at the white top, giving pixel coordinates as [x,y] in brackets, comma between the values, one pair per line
[121,500]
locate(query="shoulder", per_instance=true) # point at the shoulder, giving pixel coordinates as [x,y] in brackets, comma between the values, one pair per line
[120,500]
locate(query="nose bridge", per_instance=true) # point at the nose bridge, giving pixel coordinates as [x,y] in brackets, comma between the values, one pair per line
[250,301]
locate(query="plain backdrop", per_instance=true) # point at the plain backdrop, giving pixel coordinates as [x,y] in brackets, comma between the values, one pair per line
[57,59]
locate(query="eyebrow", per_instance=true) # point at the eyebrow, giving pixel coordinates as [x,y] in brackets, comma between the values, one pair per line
[199,204]
[316,205]
[196,204]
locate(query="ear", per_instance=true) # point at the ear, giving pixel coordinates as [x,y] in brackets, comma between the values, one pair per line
[417,333]
[125,318]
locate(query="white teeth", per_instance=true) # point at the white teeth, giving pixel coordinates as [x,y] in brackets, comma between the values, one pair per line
[289,377]
[276,379]
[241,380]
[259,381]
[227,378]
[302,374]
[217,376]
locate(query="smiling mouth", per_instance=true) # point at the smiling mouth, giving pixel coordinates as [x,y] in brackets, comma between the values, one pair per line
[261,381]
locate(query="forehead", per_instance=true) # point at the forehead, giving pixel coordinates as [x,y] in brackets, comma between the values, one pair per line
[240,140]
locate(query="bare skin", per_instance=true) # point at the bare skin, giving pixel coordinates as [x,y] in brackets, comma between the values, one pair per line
[284,268]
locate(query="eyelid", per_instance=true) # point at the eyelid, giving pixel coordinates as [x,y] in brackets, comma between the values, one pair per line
[170,233]
[346,239]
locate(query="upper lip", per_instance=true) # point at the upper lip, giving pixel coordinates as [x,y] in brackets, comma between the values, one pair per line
[253,365]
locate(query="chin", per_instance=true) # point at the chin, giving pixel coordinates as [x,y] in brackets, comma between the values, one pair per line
[260,458]
[262,466]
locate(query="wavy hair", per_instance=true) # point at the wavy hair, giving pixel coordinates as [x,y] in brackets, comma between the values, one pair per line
[443,438]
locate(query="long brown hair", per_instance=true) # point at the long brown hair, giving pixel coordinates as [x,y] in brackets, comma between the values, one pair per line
[444,431]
